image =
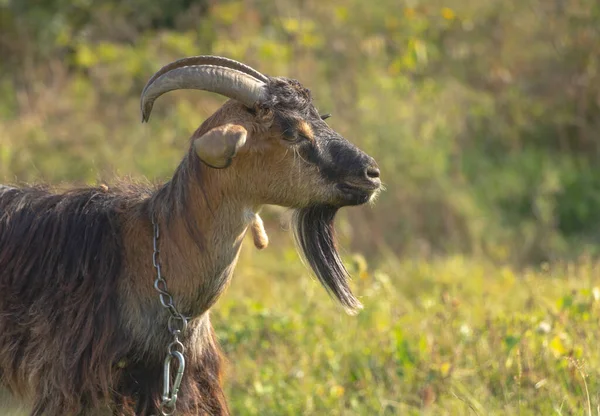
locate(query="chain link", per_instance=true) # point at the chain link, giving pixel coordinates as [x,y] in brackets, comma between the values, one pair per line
[177,324]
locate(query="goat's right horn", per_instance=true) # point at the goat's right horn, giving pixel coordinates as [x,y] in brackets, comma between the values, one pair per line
[238,83]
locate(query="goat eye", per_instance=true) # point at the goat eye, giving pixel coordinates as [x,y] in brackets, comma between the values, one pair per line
[325,116]
[295,138]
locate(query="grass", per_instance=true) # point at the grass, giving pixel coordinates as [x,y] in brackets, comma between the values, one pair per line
[445,337]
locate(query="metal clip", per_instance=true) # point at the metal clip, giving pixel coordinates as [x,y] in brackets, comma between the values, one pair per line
[169,397]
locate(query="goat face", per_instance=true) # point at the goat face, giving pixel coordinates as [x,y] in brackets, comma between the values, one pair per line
[314,164]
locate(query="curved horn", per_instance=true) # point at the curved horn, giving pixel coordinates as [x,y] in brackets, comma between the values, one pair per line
[208,60]
[229,82]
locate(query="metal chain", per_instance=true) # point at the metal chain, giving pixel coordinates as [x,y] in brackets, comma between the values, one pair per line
[177,324]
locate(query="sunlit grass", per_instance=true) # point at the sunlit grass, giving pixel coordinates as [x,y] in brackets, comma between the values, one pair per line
[446,337]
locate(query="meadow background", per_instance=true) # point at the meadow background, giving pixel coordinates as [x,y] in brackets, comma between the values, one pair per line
[478,267]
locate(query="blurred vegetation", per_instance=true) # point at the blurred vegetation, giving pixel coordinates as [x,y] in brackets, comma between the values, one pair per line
[484,115]
[485,119]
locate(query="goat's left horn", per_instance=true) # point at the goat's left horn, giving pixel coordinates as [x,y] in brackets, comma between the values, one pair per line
[209,60]
[236,83]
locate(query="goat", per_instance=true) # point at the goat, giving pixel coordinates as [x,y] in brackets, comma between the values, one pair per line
[82,329]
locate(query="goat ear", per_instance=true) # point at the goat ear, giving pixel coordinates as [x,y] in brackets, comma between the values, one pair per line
[217,147]
[259,235]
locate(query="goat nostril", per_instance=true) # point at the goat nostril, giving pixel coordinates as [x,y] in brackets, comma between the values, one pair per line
[373,172]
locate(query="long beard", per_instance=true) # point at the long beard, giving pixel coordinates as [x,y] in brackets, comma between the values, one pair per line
[315,236]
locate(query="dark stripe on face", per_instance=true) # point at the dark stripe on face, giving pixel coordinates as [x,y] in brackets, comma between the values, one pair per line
[336,157]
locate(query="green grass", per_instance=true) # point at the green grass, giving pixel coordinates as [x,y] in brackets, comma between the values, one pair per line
[446,337]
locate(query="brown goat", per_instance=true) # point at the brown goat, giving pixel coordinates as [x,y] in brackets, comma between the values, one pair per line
[82,330]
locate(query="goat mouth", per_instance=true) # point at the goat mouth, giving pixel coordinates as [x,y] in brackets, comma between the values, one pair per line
[357,194]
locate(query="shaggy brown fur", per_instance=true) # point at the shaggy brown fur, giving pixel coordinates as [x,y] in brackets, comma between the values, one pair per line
[63,342]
